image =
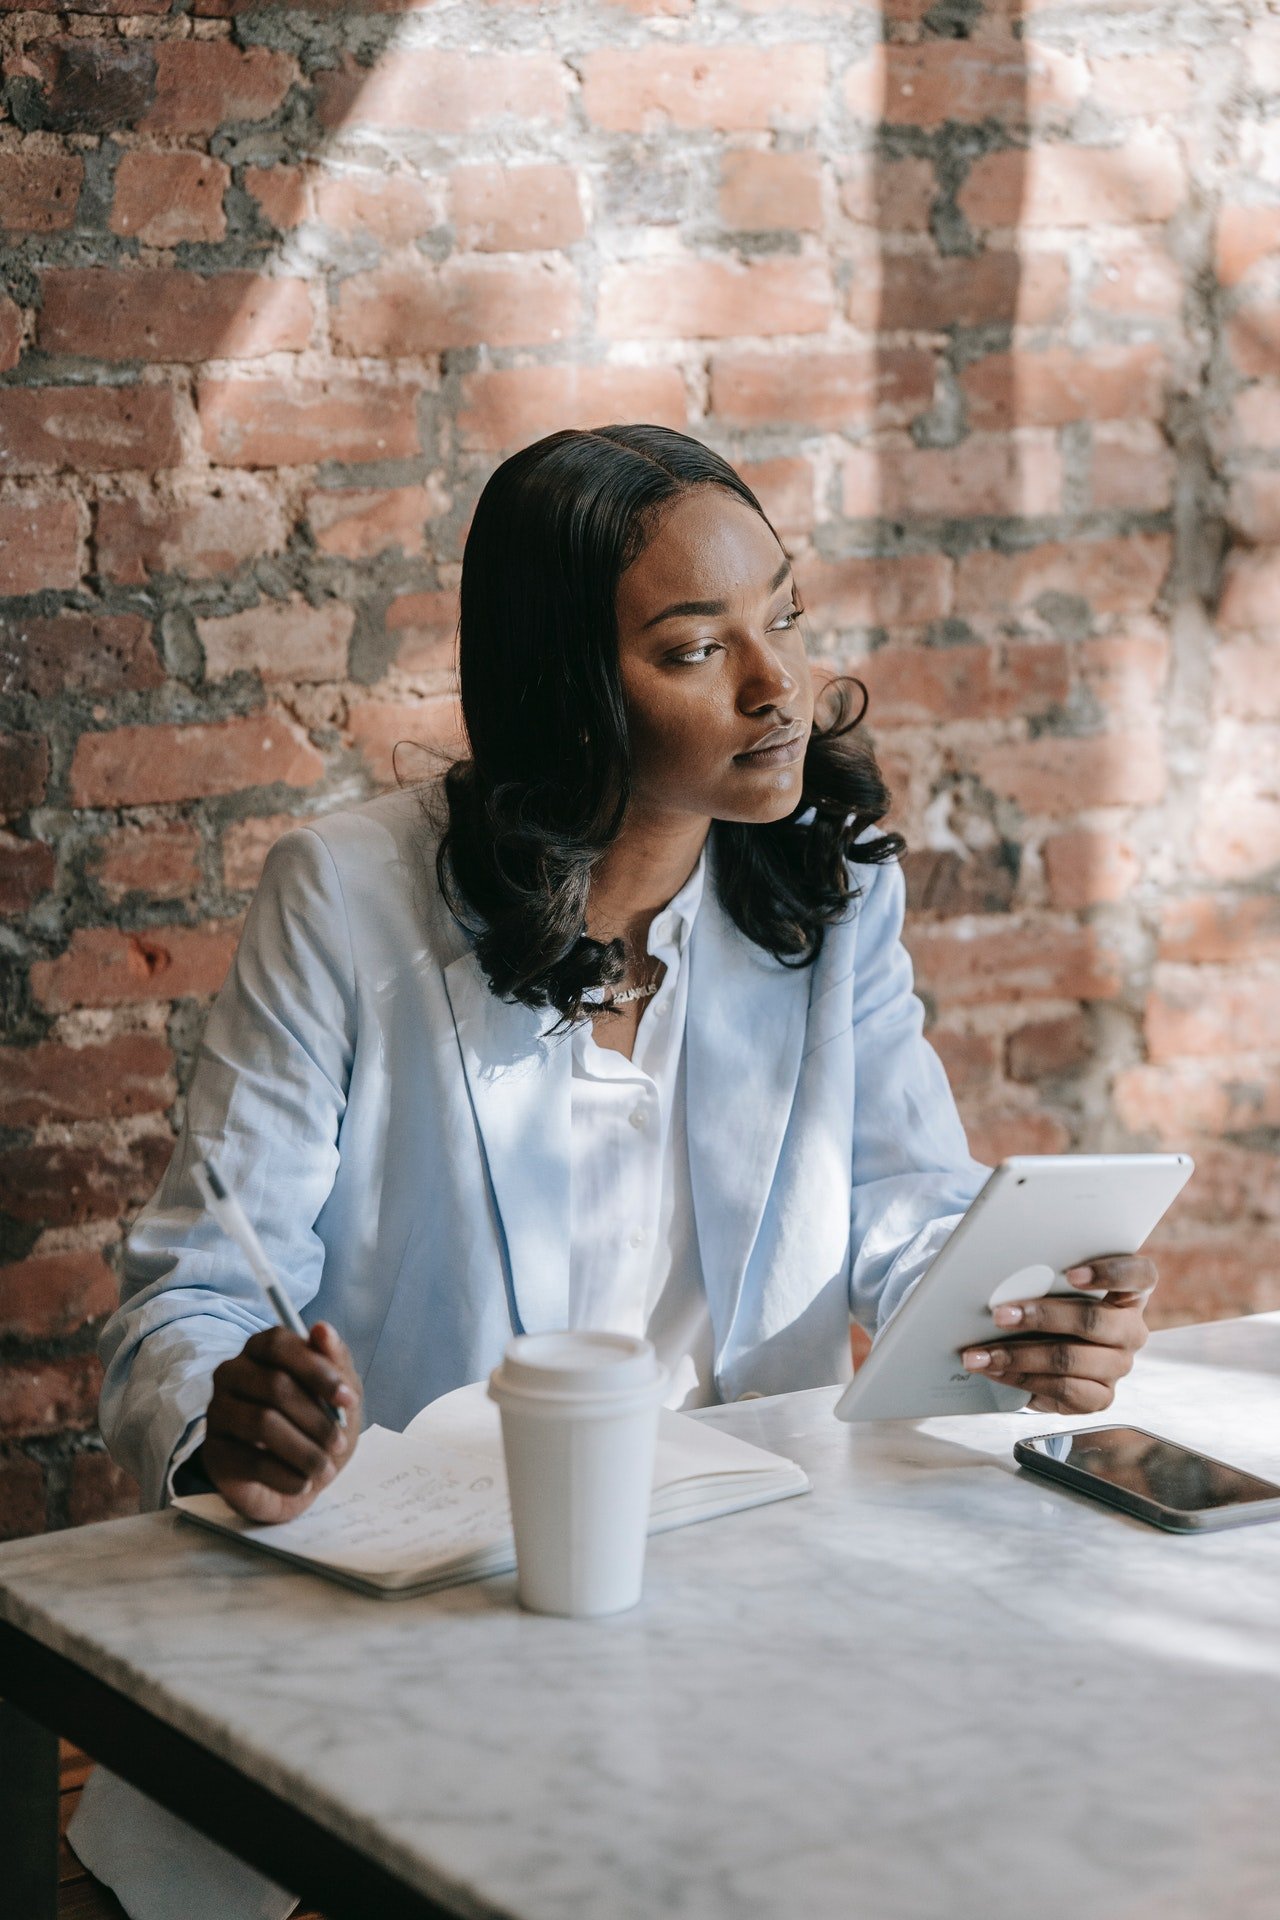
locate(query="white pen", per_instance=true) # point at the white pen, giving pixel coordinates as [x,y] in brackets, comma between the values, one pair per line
[235,1223]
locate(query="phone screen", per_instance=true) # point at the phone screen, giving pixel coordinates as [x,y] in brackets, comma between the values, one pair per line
[1155,1469]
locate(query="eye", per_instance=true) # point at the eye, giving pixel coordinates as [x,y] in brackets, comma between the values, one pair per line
[788,619]
[696,655]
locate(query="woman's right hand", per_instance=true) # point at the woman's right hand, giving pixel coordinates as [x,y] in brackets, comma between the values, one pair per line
[270,1448]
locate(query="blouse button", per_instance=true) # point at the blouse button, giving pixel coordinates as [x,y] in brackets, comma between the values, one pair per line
[638,1239]
[638,1117]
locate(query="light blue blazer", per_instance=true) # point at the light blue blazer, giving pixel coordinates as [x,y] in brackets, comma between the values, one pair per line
[400,1137]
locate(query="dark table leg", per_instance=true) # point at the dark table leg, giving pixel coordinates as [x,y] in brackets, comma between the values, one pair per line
[28,1816]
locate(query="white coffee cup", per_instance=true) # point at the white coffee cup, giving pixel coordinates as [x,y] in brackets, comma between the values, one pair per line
[579,1429]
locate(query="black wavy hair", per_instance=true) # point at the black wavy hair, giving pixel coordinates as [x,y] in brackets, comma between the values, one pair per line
[546,788]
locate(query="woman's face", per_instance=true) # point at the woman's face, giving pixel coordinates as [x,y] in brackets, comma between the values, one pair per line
[713,665]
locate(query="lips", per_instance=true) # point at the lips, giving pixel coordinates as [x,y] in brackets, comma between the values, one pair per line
[779,737]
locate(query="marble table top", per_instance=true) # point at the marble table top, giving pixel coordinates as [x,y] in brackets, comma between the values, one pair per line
[932,1689]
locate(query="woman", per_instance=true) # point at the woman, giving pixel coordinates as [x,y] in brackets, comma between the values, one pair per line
[612,1027]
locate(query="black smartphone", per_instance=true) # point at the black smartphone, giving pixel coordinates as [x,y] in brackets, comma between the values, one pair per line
[1159,1481]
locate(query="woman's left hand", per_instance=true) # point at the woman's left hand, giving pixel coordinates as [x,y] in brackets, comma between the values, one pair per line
[1068,1354]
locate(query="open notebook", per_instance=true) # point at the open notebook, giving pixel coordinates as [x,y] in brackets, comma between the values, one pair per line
[428,1508]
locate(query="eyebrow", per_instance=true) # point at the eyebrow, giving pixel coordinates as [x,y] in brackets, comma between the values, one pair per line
[709,606]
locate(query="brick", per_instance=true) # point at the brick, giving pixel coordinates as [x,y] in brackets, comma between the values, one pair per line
[697,299]
[10,334]
[1075,186]
[22,1508]
[1227,928]
[1183,1097]
[1238,830]
[878,592]
[275,423]
[39,191]
[280,640]
[246,844]
[1054,387]
[1000,1131]
[963,965]
[1125,672]
[440,92]
[1246,675]
[426,629]
[642,89]
[761,191]
[57,1185]
[1133,468]
[55,1293]
[1250,587]
[390,207]
[48,1396]
[93,86]
[160,858]
[511,406]
[1051,775]
[515,209]
[100,1490]
[941,81]
[1253,339]
[919,685]
[140,766]
[1235,1185]
[1111,576]
[1253,509]
[24,771]
[969,1059]
[940,881]
[39,540]
[413,309]
[1208,1010]
[27,869]
[1085,868]
[987,474]
[1142,84]
[78,653]
[998,287]
[359,522]
[893,196]
[202,85]
[1138,279]
[829,390]
[87,429]
[200,534]
[1044,1049]
[1246,236]
[164,314]
[1255,419]
[281,195]
[784,488]
[1208,1278]
[428,734]
[163,199]
[103,967]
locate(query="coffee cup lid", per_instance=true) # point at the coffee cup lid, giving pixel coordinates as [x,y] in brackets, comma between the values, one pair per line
[578,1365]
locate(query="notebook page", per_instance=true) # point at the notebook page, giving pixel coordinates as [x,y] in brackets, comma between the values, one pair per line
[397,1508]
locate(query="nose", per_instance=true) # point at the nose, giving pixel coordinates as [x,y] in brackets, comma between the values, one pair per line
[767,681]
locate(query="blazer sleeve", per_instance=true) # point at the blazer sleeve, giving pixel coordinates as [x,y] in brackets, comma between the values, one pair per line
[266,1098]
[913,1174]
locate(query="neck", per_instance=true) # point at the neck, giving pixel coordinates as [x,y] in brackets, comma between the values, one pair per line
[645,867]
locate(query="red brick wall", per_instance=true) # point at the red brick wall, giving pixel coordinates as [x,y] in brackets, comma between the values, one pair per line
[987,306]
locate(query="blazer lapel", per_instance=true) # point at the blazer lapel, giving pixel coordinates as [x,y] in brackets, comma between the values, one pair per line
[744,1037]
[520,1093]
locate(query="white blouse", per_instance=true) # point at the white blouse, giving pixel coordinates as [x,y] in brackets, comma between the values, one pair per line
[634,1265]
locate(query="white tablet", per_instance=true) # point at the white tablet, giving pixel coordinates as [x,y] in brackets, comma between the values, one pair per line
[1037,1215]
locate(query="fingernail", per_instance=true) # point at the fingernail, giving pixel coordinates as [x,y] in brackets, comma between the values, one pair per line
[976,1358]
[1080,1276]
[1007,1316]
[345,1397]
